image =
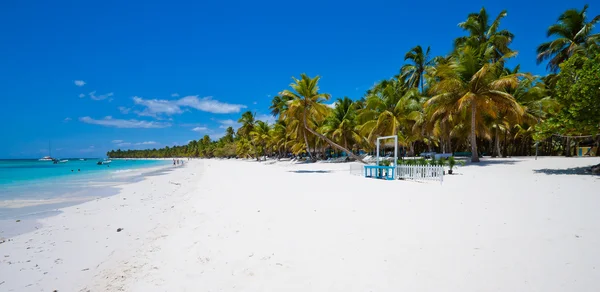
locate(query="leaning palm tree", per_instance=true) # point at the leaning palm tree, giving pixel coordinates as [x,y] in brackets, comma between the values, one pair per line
[472,84]
[305,98]
[573,35]
[412,74]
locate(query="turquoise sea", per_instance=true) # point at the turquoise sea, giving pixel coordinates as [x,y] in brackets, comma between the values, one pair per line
[30,186]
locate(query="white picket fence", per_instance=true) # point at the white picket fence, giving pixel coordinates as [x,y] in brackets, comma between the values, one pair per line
[421,172]
[409,172]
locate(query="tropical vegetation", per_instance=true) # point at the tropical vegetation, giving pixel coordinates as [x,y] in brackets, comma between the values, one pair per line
[469,100]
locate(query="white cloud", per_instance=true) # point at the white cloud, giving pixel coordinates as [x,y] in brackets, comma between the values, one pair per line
[117,141]
[101,96]
[229,122]
[124,110]
[175,94]
[156,106]
[123,144]
[79,83]
[119,123]
[207,104]
[331,105]
[200,129]
[67,119]
[81,95]
[146,143]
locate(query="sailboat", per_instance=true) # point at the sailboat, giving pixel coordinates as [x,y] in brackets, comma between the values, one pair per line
[49,157]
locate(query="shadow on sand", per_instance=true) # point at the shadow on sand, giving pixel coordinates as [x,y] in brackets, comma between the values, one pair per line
[494,161]
[586,170]
[310,171]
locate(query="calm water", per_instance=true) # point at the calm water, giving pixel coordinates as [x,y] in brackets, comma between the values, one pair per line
[32,186]
[24,171]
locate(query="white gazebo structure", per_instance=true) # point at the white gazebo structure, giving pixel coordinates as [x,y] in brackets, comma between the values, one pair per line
[395,137]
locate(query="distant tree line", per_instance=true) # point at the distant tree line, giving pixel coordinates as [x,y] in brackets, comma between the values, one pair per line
[468,100]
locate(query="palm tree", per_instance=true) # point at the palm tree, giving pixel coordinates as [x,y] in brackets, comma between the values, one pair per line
[305,98]
[573,35]
[483,34]
[260,135]
[243,148]
[472,84]
[388,111]
[248,122]
[412,74]
[280,137]
[279,104]
[341,124]
[229,133]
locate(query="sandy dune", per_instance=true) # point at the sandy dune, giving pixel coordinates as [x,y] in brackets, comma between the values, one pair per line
[503,225]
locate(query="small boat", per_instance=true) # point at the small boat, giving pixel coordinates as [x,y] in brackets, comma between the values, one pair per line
[82,159]
[101,162]
[46,158]
[63,161]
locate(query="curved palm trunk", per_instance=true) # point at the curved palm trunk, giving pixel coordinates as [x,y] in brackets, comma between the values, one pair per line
[329,141]
[474,155]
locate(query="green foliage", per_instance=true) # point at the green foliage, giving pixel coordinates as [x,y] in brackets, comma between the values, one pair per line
[467,99]
[573,35]
[433,161]
[451,162]
[578,95]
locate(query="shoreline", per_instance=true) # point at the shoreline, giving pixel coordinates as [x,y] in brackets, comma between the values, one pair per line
[29,210]
[235,225]
[84,237]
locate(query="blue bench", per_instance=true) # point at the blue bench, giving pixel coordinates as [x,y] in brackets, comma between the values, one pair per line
[379,171]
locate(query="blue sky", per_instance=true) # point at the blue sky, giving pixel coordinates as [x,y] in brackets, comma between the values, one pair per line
[91,76]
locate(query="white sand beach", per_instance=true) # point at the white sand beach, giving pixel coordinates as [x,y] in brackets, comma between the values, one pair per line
[230,225]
